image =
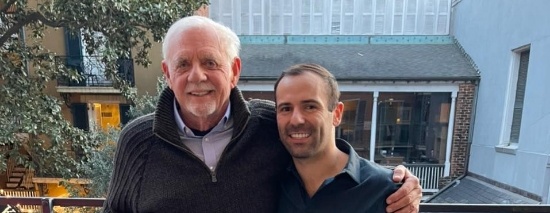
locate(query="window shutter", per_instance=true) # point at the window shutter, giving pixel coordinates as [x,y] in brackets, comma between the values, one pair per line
[80,115]
[73,50]
[379,17]
[411,17]
[276,12]
[336,24]
[126,70]
[124,117]
[520,96]
[429,21]
[443,14]
[367,17]
[398,16]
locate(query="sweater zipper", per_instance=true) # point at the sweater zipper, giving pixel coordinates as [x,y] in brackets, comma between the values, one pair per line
[213,176]
[212,172]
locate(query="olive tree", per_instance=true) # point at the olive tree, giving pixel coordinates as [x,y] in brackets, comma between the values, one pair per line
[98,168]
[33,130]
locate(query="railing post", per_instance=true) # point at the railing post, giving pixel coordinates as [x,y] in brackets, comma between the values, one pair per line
[373,125]
[47,205]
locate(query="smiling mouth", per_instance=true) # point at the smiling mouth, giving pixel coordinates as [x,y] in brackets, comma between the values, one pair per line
[203,93]
[299,135]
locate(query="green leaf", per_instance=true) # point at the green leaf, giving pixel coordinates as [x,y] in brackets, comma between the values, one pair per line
[28,70]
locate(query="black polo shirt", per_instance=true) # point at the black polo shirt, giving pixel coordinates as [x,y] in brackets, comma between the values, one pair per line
[362,186]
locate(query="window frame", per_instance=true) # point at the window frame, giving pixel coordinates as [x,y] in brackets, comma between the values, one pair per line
[506,145]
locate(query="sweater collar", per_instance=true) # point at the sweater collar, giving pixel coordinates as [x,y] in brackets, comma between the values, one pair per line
[222,124]
[165,125]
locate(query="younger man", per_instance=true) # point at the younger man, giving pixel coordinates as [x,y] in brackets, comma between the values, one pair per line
[327,175]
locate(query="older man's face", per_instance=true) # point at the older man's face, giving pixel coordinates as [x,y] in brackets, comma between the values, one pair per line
[200,74]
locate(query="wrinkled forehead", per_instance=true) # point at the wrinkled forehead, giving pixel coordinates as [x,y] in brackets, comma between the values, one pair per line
[202,36]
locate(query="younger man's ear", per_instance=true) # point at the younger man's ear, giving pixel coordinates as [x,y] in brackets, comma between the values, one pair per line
[337,114]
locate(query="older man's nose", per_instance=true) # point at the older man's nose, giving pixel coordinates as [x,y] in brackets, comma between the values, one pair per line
[196,74]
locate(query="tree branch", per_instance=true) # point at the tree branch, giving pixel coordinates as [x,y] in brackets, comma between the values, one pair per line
[39,16]
[31,17]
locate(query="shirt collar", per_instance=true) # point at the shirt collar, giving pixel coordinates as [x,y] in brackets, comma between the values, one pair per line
[352,168]
[181,124]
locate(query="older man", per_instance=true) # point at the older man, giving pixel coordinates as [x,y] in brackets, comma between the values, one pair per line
[206,149]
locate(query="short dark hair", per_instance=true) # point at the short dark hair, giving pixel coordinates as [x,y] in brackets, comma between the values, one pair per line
[332,85]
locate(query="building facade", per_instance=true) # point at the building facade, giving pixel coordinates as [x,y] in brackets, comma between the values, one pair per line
[407,86]
[510,43]
[92,101]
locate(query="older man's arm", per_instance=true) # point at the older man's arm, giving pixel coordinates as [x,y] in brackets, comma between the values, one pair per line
[407,198]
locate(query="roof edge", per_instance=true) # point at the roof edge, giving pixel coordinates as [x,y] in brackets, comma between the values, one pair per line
[355,79]
[346,39]
[451,184]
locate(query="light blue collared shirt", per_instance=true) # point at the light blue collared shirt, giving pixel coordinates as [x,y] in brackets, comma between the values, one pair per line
[208,148]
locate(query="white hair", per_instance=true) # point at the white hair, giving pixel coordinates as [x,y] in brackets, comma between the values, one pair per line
[228,39]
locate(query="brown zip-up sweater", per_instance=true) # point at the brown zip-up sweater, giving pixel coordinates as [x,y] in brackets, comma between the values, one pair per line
[155,172]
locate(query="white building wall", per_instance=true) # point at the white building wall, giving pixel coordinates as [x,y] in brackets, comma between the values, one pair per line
[489,31]
[333,17]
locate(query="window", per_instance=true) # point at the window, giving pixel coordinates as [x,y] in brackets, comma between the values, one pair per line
[519,96]
[257,22]
[379,17]
[107,115]
[318,18]
[94,68]
[398,16]
[306,15]
[336,18]
[411,17]
[411,127]
[333,17]
[365,22]
[287,17]
[226,15]
[275,20]
[347,25]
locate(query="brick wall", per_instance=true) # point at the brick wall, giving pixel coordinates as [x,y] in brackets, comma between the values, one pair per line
[463,114]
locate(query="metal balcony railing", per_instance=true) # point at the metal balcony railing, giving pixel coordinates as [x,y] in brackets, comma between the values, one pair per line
[46,204]
[429,175]
[93,71]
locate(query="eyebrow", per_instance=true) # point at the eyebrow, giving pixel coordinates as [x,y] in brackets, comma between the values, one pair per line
[181,60]
[281,104]
[207,56]
[307,101]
